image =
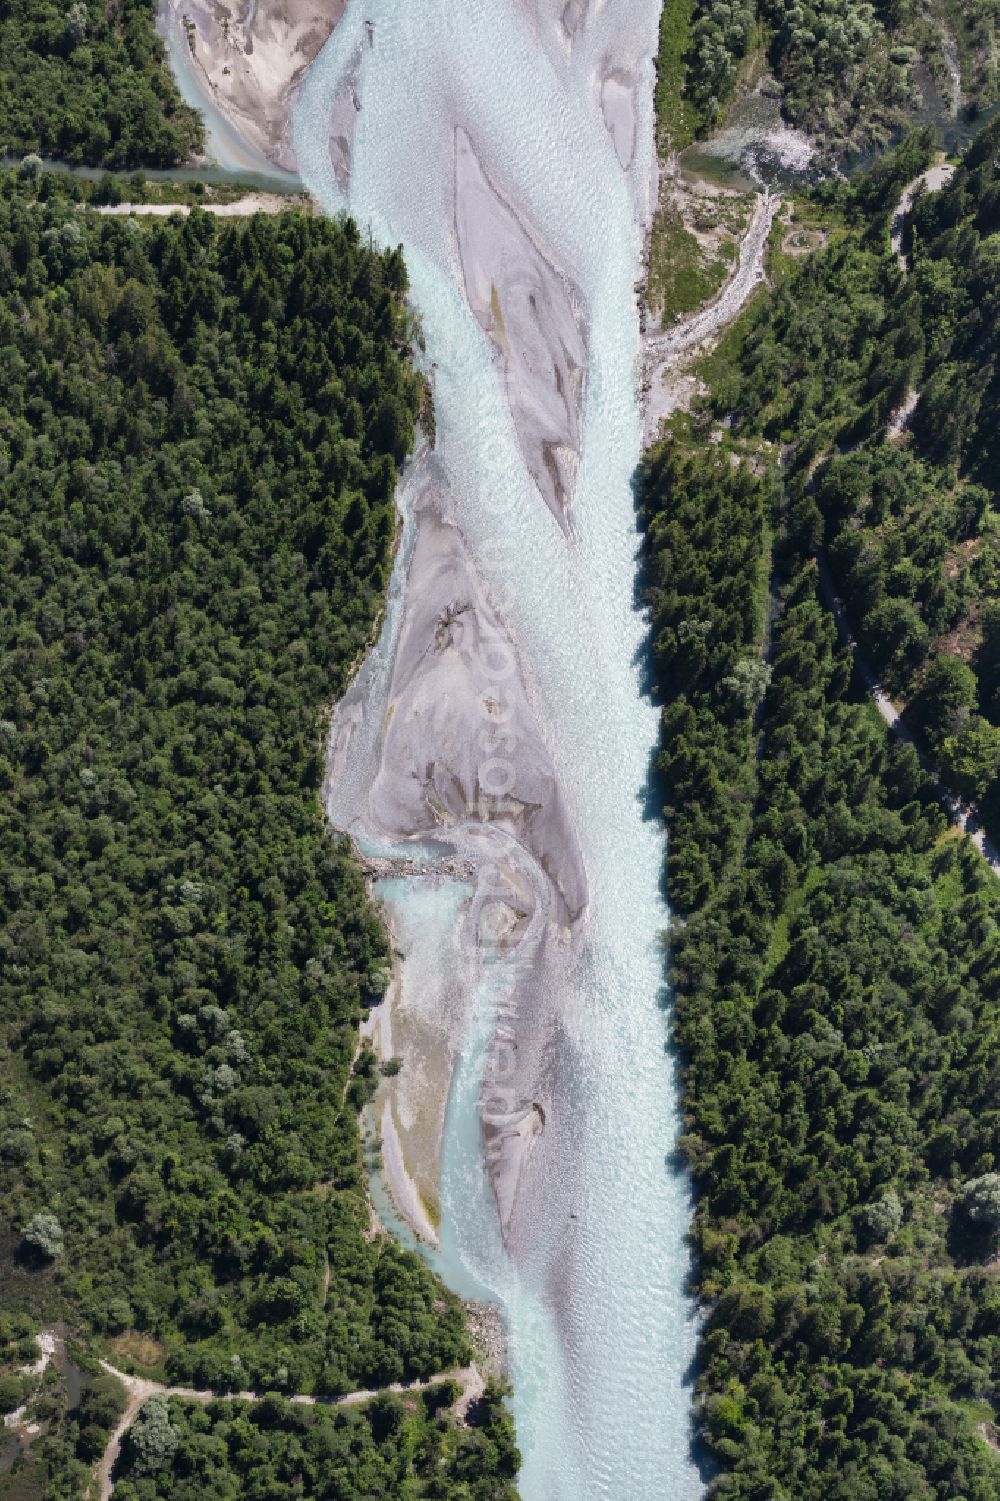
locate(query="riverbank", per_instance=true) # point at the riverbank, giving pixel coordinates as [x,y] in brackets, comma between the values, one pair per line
[419,756]
[667,382]
[243,65]
[247,67]
[239,208]
[505,686]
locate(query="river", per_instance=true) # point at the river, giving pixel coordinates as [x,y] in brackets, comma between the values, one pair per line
[591,1273]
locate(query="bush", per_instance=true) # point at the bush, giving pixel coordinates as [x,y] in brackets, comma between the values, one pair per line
[882,1219]
[13,1390]
[101,1405]
[981,1201]
[152,1439]
[44,1234]
[948,690]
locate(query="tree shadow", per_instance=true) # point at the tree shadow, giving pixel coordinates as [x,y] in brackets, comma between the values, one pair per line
[969,1245]
[653,798]
[652,794]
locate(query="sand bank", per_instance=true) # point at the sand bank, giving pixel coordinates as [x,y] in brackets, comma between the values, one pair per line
[618,108]
[251,58]
[405,1192]
[458,764]
[421,1026]
[456,753]
[344,110]
[535,317]
[457,707]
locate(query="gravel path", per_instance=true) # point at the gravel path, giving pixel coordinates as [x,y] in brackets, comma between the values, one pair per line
[240,208]
[935,177]
[962,816]
[139,1392]
[666,355]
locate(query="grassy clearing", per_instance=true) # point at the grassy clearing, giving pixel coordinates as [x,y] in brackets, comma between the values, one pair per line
[779,941]
[135,1348]
[681,275]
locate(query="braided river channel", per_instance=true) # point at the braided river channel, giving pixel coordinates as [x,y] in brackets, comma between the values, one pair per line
[495,750]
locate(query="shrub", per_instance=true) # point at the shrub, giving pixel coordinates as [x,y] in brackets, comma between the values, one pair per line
[981,1201]
[882,1219]
[12,1393]
[152,1439]
[44,1234]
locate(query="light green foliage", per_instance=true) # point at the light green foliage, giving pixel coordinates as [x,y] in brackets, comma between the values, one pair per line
[152,1439]
[981,1201]
[13,1390]
[884,1217]
[681,275]
[44,1234]
[677,117]
[720,38]
[748,682]
[843,78]
[970,758]
[76,23]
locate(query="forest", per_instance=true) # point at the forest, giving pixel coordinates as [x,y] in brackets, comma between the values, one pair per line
[199,437]
[835,950]
[906,517]
[850,72]
[410,1449]
[88,82]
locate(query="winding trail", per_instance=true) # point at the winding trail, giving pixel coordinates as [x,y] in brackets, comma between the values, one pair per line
[140,1390]
[963,816]
[934,178]
[667,353]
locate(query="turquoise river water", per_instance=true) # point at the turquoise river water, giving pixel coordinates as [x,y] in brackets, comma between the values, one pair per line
[600,1349]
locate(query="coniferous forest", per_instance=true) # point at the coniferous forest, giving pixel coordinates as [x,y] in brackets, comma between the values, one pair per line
[201,426]
[200,430]
[907,521]
[835,953]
